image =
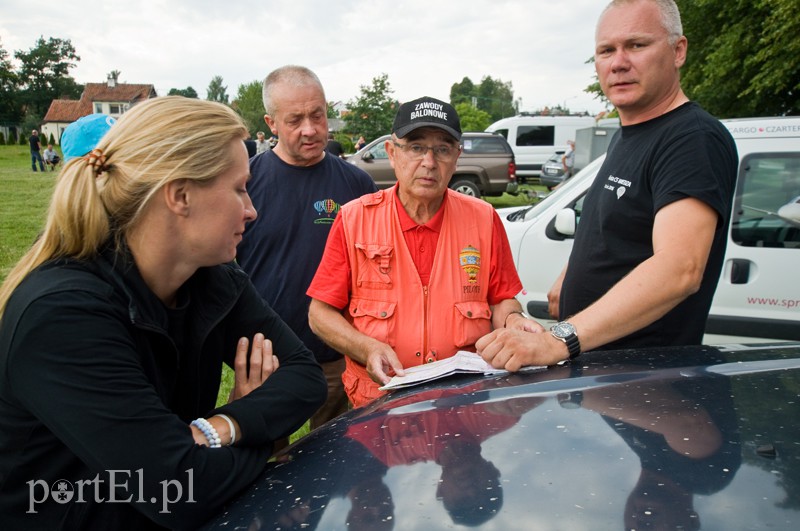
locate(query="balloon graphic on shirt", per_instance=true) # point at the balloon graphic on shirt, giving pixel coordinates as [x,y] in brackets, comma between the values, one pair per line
[327,209]
[470,260]
[326,206]
[620,191]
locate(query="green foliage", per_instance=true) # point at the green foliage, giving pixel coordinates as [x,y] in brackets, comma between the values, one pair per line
[22,140]
[216,91]
[188,92]
[371,114]
[51,139]
[347,143]
[472,119]
[744,57]
[492,96]
[332,113]
[10,110]
[250,106]
[44,74]
[2,139]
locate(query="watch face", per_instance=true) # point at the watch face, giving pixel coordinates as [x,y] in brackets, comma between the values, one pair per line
[562,330]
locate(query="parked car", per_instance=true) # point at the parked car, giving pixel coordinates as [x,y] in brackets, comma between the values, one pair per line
[664,438]
[553,171]
[486,165]
[758,295]
[534,138]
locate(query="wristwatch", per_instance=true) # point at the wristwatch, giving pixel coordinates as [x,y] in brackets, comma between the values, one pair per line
[565,332]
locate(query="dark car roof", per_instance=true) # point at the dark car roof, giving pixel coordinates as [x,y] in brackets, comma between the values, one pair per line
[684,438]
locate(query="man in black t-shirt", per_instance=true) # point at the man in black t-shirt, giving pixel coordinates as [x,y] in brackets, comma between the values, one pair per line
[651,242]
[36,150]
[334,147]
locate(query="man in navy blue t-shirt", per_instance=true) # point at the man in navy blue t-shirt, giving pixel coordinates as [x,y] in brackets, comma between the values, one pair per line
[297,189]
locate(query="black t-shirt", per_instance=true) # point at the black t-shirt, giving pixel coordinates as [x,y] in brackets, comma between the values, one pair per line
[283,246]
[334,148]
[34,142]
[684,153]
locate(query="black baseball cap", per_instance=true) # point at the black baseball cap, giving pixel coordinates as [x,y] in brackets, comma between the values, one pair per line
[426,112]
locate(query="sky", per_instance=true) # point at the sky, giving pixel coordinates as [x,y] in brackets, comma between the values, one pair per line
[424,46]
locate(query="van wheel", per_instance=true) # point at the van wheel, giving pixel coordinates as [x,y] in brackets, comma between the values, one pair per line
[466,187]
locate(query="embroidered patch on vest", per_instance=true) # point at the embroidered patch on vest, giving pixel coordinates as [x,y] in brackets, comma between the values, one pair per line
[470,260]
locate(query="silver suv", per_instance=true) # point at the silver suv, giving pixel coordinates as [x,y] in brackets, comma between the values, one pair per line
[485,167]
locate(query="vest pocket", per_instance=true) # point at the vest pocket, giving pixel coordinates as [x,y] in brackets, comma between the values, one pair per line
[374,265]
[375,319]
[472,321]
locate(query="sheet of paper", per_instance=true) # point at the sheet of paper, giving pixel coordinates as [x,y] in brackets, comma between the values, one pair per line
[462,362]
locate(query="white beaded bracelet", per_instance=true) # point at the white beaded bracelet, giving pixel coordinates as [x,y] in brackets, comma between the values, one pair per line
[227,419]
[208,430]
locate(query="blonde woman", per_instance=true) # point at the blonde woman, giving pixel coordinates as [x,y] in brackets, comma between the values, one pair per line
[115,325]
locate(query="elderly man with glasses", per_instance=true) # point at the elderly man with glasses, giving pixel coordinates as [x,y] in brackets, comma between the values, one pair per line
[415,273]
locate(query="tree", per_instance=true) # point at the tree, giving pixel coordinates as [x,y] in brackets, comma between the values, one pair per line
[216,91]
[332,112]
[493,96]
[744,57]
[250,106]
[10,112]
[371,114]
[472,119]
[188,92]
[44,74]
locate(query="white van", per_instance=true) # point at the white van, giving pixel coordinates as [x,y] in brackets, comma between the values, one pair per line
[534,138]
[758,295]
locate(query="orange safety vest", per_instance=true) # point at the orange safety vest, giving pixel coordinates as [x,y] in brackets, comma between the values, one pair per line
[388,301]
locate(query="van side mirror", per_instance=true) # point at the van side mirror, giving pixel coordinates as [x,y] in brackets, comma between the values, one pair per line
[565,222]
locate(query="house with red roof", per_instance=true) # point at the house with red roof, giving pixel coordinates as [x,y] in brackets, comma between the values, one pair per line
[110,98]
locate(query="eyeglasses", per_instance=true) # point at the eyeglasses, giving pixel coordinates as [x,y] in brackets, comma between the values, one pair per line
[442,153]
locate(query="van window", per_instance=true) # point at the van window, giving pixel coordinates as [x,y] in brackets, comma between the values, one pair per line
[485,145]
[769,183]
[536,135]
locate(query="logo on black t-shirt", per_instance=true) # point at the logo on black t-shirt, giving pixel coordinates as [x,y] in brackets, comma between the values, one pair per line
[621,187]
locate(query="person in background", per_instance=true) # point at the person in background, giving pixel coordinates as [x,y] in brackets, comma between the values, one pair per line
[36,150]
[360,143]
[115,325]
[650,245]
[568,159]
[51,158]
[334,147]
[298,189]
[262,144]
[415,273]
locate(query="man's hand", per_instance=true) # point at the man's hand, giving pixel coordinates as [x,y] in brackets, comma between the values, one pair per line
[511,349]
[517,321]
[382,363]
[262,364]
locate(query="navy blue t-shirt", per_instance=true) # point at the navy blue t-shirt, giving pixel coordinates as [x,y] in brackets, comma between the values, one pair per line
[283,246]
[681,154]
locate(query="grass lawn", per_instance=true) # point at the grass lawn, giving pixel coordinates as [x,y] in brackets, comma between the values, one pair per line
[24,197]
